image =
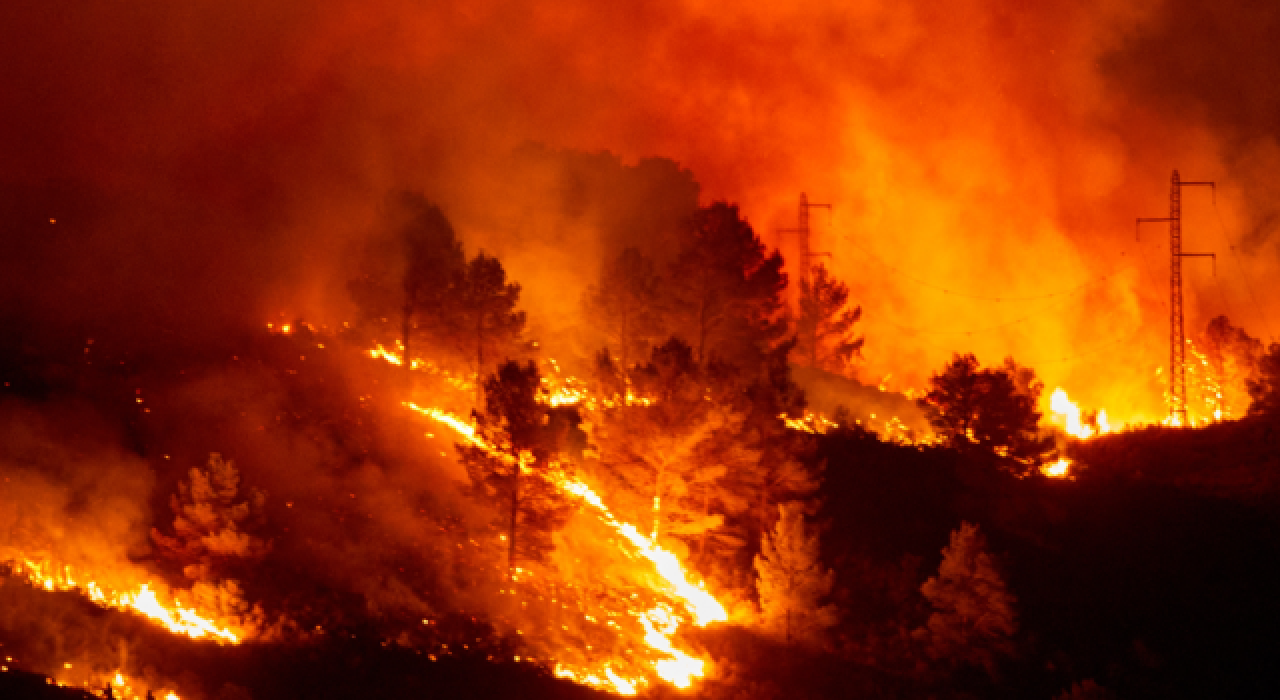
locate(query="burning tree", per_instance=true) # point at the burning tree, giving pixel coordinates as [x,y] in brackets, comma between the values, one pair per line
[482,319]
[411,272]
[727,288]
[515,476]
[974,619]
[781,475]
[1265,390]
[211,524]
[824,327]
[990,409]
[674,450]
[791,579]
[627,304]
[1232,357]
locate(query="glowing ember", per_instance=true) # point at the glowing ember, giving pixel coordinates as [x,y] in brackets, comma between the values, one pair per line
[1060,469]
[143,600]
[379,352]
[122,686]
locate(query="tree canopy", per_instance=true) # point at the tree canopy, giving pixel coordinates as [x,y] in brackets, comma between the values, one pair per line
[791,580]
[517,480]
[409,273]
[727,288]
[992,409]
[824,326]
[627,303]
[974,620]
[1265,390]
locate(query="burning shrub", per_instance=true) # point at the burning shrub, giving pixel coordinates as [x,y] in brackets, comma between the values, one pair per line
[209,540]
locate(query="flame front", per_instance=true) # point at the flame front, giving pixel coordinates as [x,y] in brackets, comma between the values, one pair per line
[660,623]
[142,600]
[122,685]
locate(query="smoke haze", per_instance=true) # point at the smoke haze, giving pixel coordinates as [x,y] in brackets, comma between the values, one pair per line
[188,169]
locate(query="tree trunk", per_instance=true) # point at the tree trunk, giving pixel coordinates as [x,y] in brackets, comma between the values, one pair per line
[702,331]
[479,357]
[657,500]
[405,328]
[515,513]
[624,337]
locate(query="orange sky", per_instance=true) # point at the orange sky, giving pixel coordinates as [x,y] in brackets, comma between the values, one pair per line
[985,161]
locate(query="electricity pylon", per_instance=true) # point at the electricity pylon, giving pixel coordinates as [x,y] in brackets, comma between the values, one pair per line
[1177,336]
[802,229]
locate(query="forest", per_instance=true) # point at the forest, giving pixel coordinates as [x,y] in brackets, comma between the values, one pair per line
[420,501]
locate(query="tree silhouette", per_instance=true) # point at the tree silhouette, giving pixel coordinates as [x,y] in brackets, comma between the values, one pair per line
[990,409]
[484,324]
[974,619]
[409,273]
[824,326]
[1232,356]
[626,304]
[1265,390]
[727,288]
[791,579]
[664,448]
[517,478]
[780,473]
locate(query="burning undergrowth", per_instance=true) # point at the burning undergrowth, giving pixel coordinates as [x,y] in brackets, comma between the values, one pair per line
[340,517]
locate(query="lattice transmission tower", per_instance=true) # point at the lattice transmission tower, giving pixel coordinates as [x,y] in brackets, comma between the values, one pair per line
[1177,335]
[802,230]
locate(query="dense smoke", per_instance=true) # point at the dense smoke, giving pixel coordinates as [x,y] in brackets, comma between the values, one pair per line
[70,495]
[171,176]
[175,175]
[213,162]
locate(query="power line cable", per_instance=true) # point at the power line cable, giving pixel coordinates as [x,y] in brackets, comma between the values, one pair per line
[978,331]
[966,295]
[1222,229]
[1091,351]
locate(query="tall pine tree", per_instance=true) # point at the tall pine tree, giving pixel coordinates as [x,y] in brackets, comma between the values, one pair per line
[1232,356]
[408,276]
[991,410]
[485,327]
[727,289]
[824,326]
[516,480]
[791,580]
[974,620]
[627,305]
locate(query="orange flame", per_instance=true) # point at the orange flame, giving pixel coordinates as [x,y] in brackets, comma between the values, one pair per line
[144,600]
[1068,414]
[1060,469]
[660,624]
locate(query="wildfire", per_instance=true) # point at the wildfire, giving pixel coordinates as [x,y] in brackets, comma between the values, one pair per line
[1060,469]
[660,623]
[1069,415]
[396,358]
[122,686]
[143,600]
